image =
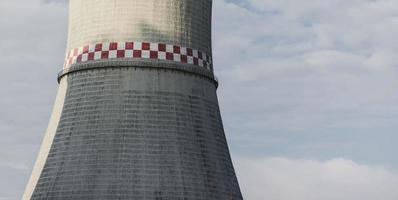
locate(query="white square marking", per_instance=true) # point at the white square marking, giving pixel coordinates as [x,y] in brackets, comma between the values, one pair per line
[105,46]
[91,48]
[84,57]
[80,51]
[190,60]
[121,46]
[169,48]
[74,60]
[128,53]
[137,45]
[183,51]
[162,55]
[154,46]
[145,54]
[97,55]
[195,53]
[201,62]
[113,54]
[177,57]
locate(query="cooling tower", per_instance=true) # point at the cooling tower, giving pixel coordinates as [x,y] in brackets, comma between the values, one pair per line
[136,115]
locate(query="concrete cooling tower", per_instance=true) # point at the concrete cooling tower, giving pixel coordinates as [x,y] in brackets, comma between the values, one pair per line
[136,115]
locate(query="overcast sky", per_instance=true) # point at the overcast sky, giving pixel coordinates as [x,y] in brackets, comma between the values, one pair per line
[308,93]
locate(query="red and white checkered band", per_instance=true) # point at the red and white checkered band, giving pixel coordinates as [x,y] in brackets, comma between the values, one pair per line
[142,50]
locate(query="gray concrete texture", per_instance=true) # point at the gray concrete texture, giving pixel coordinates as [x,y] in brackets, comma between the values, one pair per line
[179,22]
[144,130]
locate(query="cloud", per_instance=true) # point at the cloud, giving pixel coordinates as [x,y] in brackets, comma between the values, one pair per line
[307,62]
[309,71]
[337,179]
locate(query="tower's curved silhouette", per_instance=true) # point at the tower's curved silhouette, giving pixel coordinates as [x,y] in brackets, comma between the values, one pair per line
[136,115]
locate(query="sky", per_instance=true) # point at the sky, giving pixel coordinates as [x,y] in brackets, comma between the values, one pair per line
[307,93]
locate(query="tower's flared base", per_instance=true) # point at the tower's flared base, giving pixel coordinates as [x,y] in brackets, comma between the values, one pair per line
[138,133]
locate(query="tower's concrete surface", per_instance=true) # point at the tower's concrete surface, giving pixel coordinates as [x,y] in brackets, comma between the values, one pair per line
[136,115]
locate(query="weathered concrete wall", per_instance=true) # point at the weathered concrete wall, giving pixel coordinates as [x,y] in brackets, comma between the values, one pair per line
[139,133]
[178,22]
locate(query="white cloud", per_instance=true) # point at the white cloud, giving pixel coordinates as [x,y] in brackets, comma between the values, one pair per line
[338,179]
[305,62]
[321,69]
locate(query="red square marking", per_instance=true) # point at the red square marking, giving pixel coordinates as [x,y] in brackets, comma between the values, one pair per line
[189,52]
[105,55]
[154,55]
[79,59]
[137,53]
[129,45]
[120,53]
[146,46]
[113,46]
[85,49]
[90,56]
[98,47]
[177,49]
[184,59]
[169,56]
[195,61]
[162,47]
